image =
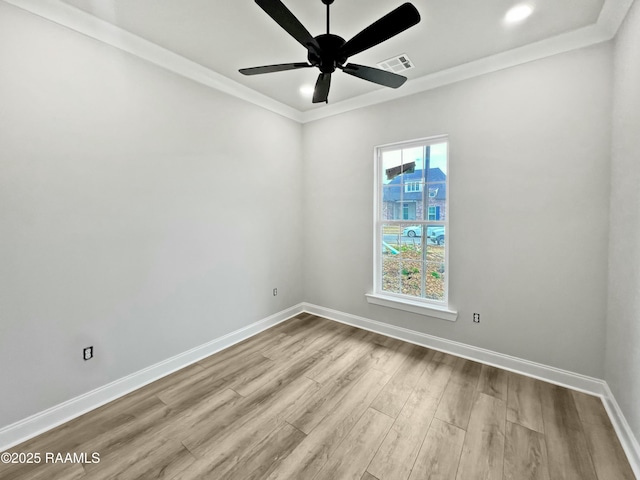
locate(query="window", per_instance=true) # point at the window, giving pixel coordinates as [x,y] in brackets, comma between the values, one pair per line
[413,187]
[411,222]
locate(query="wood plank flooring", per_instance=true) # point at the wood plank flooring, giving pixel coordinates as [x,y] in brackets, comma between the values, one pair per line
[315,399]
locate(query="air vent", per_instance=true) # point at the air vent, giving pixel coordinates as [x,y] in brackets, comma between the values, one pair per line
[396,64]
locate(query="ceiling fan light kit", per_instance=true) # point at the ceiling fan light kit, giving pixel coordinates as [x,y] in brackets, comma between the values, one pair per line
[329,52]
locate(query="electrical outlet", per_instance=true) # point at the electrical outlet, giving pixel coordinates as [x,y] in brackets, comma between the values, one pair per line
[476,318]
[87,353]
[275,292]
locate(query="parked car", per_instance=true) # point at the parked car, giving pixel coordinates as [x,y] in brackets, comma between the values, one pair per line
[435,233]
[412,231]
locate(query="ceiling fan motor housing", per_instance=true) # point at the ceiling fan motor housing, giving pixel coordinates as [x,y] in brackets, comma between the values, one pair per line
[329,57]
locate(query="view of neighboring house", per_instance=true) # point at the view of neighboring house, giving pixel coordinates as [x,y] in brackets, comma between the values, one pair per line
[403,197]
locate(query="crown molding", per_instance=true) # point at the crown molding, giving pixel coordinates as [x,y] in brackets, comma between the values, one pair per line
[609,21]
[576,39]
[93,27]
[611,17]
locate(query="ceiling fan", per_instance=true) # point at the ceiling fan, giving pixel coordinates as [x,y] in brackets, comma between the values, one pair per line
[328,51]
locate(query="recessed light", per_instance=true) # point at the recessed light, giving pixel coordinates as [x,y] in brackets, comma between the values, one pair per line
[307,90]
[518,13]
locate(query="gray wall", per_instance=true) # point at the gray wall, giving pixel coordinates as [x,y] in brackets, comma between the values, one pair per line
[529,172]
[140,213]
[623,319]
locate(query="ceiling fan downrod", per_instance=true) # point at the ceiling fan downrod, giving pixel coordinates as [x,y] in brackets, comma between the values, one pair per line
[328,4]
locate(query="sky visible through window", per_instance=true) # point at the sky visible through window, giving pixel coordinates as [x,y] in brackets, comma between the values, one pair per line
[394,158]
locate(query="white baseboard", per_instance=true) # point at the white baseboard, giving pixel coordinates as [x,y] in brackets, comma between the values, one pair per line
[564,378]
[34,425]
[554,375]
[625,435]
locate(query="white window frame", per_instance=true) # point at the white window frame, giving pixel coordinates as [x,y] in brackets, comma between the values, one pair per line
[432,308]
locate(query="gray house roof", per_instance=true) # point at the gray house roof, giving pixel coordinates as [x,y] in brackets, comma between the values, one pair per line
[435,177]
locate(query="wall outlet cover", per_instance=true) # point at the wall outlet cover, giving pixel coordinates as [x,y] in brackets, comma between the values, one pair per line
[87,353]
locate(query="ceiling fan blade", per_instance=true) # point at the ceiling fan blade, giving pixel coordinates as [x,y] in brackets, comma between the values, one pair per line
[393,23]
[321,93]
[287,20]
[281,67]
[375,75]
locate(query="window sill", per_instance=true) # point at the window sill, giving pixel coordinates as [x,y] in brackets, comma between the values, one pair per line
[413,307]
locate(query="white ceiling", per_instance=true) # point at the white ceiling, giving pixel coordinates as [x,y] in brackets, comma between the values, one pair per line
[226,36]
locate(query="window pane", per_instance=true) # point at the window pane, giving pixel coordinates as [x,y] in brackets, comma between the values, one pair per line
[436,183]
[437,161]
[411,272]
[435,263]
[390,160]
[394,166]
[391,239]
[435,236]
[437,202]
[414,154]
[392,204]
[435,281]
[412,234]
[412,194]
[391,258]
[390,272]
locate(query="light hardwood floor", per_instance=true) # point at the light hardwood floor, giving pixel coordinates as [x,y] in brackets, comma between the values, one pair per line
[314,399]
